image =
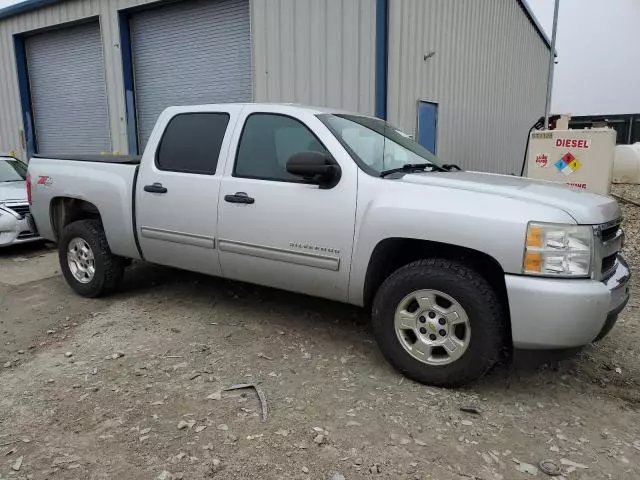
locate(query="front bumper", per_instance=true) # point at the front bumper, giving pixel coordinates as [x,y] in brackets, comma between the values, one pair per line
[550,313]
[15,230]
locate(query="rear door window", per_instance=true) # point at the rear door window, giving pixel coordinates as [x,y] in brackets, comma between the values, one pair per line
[191,143]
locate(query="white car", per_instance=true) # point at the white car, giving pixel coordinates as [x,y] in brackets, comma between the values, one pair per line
[16,223]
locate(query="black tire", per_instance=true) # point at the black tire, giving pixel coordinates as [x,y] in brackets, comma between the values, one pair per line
[486,315]
[109,268]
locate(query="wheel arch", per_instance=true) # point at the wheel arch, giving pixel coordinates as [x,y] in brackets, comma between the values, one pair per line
[393,253]
[65,210]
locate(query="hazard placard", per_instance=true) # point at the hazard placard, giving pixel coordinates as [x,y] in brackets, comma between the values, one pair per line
[579,158]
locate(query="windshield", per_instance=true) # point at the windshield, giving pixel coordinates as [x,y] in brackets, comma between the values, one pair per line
[376,145]
[12,170]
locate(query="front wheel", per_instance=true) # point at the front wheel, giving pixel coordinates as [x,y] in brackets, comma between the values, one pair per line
[439,322]
[86,260]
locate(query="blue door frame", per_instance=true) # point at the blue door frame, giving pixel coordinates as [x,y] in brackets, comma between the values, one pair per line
[382,57]
[29,131]
[128,80]
[427,129]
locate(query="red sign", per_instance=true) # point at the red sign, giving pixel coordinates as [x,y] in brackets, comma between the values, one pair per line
[573,143]
[542,160]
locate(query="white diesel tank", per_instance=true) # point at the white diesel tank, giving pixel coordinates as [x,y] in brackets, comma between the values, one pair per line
[580,158]
[626,164]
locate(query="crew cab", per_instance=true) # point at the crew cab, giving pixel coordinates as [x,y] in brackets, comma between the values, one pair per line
[455,267]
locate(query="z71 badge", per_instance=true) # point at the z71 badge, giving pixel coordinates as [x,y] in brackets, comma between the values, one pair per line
[44,180]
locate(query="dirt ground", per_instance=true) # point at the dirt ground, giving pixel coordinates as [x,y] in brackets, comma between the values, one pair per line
[131,387]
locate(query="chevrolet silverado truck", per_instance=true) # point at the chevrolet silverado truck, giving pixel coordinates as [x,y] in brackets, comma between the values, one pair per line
[456,267]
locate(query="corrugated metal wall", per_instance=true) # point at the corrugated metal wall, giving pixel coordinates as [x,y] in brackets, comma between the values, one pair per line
[66,75]
[330,64]
[488,76]
[216,35]
[317,52]
[61,13]
[488,72]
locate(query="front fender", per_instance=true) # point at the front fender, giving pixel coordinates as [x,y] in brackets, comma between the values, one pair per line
[488,223]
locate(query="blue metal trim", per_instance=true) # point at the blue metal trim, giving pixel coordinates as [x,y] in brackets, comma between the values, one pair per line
[25,95]
[382,57]
[24,6]
[128,78]
[423,136]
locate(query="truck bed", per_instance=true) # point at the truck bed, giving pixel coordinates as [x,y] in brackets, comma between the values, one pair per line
[105,181]
[121,159]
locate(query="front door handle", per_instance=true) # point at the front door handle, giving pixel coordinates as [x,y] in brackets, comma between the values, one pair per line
[239,197]
[155,188]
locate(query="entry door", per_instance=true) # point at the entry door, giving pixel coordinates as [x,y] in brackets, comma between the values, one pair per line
[177,191]
[428,125]
[286,234]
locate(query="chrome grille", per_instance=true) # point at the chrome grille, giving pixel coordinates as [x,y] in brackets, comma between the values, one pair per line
[609,232]
[609,239]
[21,210]
[27,235]
[609,265]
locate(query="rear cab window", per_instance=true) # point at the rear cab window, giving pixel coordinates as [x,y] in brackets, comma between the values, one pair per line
[191,143]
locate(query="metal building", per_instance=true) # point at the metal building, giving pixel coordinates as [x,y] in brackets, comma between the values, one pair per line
[468,78]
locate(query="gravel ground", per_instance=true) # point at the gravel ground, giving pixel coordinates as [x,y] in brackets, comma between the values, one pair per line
[631,214]
[132,387]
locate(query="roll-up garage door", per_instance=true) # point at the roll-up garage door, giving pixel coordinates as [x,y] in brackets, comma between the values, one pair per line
[187,53]
[68,93]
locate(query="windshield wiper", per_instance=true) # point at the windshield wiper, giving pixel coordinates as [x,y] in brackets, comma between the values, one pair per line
[450,166]
[410,167]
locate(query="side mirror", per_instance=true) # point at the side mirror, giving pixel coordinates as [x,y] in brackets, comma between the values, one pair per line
[316,168]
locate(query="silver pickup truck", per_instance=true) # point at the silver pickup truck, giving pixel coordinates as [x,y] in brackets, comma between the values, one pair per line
[456,267]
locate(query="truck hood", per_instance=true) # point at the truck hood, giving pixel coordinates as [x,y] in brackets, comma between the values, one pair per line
[585,207]
[13,191]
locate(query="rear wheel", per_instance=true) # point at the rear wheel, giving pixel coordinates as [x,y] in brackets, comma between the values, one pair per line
[439,322]
[86,260]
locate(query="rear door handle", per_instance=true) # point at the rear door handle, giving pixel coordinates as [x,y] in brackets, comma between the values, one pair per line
[155,188]
[239,197]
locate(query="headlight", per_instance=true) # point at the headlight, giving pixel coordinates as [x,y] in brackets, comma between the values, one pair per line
[554,250]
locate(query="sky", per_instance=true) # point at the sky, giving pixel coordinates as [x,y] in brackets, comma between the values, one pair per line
[598,68]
